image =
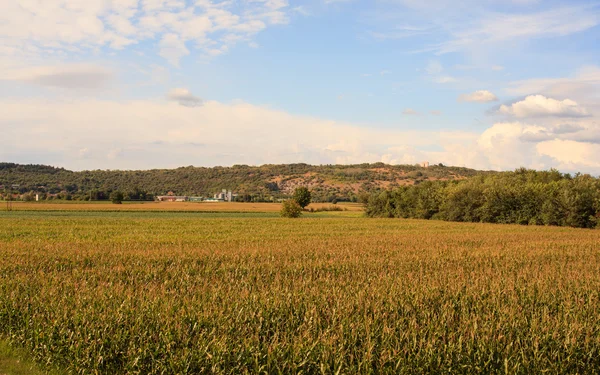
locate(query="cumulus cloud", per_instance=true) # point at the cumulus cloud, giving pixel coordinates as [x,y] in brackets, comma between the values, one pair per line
[541,106]
[571,155]
[480,96]
[537,133]
[184,97]
[508,145]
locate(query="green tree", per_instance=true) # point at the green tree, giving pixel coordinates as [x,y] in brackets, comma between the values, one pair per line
[302,196]
[116,197]
[290,208]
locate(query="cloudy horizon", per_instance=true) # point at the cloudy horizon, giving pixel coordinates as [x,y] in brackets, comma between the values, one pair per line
[144,84]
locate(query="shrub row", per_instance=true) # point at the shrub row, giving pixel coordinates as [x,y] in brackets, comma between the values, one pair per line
[520,197]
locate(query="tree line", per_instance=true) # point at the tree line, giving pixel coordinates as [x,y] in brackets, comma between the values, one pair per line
[328,183]
[520,197]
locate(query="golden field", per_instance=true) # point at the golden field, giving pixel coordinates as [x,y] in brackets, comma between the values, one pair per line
[180,293]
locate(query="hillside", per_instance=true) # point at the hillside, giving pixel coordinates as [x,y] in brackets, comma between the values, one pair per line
[266,182]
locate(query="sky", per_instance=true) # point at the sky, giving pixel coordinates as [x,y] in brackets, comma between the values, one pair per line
[141,84]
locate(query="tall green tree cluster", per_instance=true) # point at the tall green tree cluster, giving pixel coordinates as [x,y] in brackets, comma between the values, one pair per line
[520,197]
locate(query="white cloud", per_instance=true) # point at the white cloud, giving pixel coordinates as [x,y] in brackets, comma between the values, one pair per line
[505,146]
[161,134]
[445,5]
[541,106]
[39,28]
[184,97]
[435,112]
[501,146]
[157,133]
[410,112]
[435,69]
[301,10]
[541,146]
[571,155]
[172,48]
[584,84]
[444,79]
[480,96]
[495,27]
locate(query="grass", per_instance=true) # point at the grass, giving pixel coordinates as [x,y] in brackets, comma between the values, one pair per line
[18,362]
[184,293]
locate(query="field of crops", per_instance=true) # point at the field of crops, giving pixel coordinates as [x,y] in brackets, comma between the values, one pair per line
[165,206]
[183,293]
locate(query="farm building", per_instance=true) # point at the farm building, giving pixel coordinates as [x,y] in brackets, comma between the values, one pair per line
[172,198]
[225,195]
[212,200]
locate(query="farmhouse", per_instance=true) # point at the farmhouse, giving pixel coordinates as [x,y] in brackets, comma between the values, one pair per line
[172,198]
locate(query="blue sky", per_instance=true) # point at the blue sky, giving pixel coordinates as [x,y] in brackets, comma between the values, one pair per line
[136,84]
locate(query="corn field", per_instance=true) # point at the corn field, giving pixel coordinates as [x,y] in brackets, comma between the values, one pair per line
[187,294]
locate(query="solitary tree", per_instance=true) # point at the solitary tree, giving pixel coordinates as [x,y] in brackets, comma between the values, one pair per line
[116,197]
[290,208]
[302,196]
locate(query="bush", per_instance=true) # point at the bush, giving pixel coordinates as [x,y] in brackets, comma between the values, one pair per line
[290,208]
[328,208]
[302,196]
[116,197]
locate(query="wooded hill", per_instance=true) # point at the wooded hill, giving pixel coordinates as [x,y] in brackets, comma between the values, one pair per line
[262,183]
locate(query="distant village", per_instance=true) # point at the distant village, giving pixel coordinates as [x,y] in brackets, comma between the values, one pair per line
[224,196]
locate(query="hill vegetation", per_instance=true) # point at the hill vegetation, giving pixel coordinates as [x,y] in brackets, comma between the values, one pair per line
[262,183]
